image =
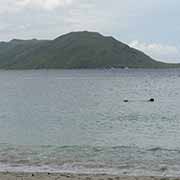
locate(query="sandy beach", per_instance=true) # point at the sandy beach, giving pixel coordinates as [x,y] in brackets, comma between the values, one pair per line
[49,176]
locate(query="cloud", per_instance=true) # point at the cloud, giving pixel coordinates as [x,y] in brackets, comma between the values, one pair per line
[128,20]
[14,6]
[161,52]
[45,4]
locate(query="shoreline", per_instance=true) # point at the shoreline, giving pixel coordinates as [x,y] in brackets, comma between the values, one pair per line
[70,176]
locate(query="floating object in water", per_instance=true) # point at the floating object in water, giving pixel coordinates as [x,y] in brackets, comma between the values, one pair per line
[151,100]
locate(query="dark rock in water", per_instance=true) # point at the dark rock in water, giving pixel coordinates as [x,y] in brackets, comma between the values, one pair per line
[126,100]
[151,100]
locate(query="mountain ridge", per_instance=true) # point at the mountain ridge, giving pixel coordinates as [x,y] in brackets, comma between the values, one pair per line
[74,50]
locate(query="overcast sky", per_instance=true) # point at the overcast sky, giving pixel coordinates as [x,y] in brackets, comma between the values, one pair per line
[149,25]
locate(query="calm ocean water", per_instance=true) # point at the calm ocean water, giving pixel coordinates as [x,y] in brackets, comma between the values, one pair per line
[76,121]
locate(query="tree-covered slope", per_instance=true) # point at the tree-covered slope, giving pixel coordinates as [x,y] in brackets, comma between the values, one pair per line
[74,50]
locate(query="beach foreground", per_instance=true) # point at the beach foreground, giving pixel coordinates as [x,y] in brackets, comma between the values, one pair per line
[49,176]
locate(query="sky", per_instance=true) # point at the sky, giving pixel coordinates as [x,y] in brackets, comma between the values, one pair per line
[152,26]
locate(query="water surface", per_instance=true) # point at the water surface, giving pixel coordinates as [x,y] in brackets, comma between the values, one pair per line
[76,121]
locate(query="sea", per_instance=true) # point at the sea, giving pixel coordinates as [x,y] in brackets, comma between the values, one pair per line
[76,121]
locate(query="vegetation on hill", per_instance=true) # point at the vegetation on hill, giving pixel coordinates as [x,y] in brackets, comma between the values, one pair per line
[74,50]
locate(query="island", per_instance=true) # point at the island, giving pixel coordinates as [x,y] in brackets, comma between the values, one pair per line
[75,50]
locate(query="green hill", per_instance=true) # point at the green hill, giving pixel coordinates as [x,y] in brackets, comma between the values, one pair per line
[74,50]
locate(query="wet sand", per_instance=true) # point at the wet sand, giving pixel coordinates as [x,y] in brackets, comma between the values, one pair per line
[49,176]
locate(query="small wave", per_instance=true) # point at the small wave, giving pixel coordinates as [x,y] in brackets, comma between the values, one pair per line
[81,169]
[89,159]
[155,149]
[66,168]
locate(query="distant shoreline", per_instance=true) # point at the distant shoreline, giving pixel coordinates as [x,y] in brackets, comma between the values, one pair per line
[133,68]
